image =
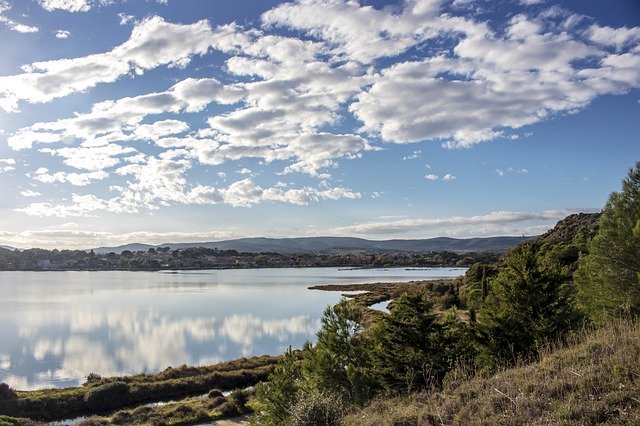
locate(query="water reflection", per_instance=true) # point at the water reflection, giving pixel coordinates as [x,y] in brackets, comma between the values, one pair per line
[124,342]
[59,327]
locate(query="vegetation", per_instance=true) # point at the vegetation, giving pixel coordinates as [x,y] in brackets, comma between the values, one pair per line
[529,304]
[608,278]
[206,258]
[105,395]
[592,378]
[525,310]
[513,342]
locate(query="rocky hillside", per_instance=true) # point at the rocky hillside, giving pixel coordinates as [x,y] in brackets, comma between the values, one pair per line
[566,229]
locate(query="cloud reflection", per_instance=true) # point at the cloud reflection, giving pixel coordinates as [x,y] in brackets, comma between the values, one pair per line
[61,350]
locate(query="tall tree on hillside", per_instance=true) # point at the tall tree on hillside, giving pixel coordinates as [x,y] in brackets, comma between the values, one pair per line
[608,278]
[529,304]
[409,351]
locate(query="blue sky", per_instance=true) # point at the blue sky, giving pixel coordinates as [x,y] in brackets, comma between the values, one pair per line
[165,121]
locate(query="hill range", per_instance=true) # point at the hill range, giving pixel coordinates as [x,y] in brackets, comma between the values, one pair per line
[337,245]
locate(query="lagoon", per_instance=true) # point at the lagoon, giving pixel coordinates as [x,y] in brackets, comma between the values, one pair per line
[57,327]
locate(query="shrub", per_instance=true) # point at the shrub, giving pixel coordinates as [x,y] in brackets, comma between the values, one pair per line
[6,392]
[228,409]
[107,396]
[92,377]
[317,410]
[214,393]
[239,398]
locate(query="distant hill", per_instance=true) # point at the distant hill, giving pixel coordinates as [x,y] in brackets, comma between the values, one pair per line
[339,245]
[7,248]
[120,249]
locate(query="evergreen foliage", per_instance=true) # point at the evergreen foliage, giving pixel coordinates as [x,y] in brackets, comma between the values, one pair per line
[340,364]
[530,303]
[276,396]
[608,278]
[409,352]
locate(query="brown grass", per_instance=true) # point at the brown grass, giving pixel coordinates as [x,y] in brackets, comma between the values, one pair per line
[593,379]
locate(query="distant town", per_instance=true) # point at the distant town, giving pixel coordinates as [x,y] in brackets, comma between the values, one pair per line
[164,258]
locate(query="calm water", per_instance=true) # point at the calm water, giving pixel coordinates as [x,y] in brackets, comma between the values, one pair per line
[57,327]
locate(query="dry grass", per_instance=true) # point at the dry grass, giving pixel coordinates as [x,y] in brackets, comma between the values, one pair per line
[593,379]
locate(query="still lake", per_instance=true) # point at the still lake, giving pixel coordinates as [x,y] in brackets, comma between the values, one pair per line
[57,327]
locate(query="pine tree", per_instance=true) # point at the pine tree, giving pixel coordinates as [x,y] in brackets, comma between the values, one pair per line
[409,353]
[276,396]
[339,364]
[528,305]
[608,278]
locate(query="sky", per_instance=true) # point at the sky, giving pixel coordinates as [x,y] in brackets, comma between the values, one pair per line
[161,121]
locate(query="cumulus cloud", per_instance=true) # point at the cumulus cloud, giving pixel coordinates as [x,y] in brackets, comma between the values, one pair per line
[153,42]
[283,95]
[77,179]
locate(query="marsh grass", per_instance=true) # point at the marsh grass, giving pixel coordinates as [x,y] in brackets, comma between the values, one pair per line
[593,377]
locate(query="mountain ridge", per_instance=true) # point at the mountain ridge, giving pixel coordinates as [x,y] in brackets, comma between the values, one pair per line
[337,245]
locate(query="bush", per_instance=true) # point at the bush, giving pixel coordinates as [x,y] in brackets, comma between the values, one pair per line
[92,378]
[6,392]
[228,409]
[214,393]
[108,396]
[239,398]
[317,410]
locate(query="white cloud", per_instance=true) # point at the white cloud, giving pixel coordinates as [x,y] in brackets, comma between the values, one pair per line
[244,171]
[29,193]
[67,5]
[173,45]
[77,179]
[532,2]
[11,24]
[493,223]
[7,164]
[284,97]
[414,156]
[613,37]
[433,177]
[62,34]
[125,19]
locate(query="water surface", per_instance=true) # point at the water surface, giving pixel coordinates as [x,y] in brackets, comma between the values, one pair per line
[57,327]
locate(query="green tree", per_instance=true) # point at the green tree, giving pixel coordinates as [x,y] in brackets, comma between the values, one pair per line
[608,278]
[339,364]
[409,353]
[528,305]
[276,396]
